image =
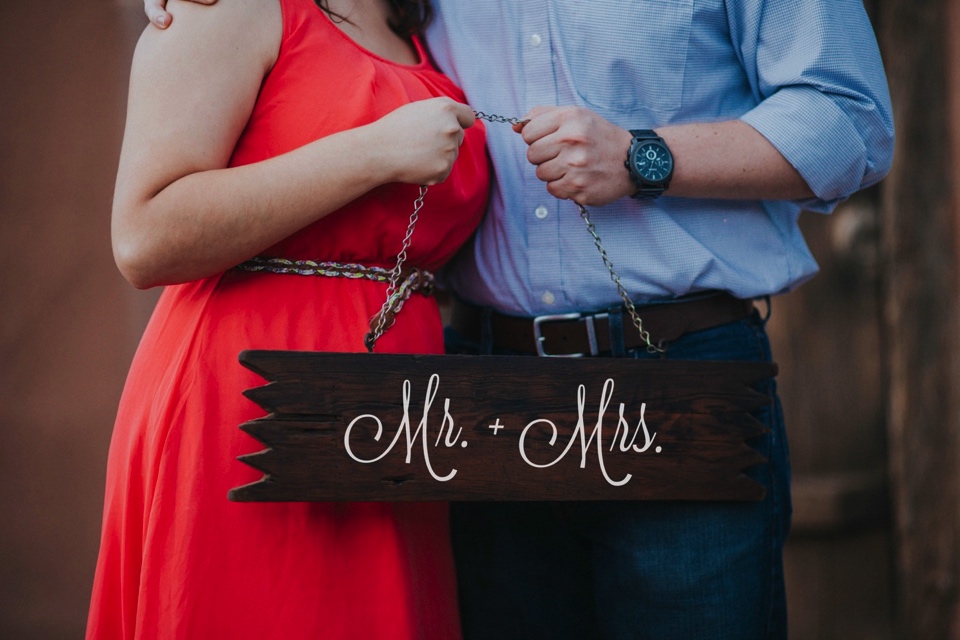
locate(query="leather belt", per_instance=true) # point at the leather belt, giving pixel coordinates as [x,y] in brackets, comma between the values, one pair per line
[578,334]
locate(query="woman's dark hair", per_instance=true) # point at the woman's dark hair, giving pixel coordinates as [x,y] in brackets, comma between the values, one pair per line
[411,16]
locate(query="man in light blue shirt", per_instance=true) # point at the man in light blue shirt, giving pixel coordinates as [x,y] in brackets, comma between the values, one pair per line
[761,108]
[774,106]
[768,107]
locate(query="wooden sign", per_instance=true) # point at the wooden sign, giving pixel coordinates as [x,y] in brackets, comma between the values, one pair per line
[363,427]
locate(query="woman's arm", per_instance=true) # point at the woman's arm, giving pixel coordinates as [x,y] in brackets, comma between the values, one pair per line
[179,214]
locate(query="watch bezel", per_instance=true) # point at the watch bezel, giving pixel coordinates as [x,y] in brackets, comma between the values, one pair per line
[647,188]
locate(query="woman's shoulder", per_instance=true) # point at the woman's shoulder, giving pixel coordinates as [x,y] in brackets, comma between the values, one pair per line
[221,29]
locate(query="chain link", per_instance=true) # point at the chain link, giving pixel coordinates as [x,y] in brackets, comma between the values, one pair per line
[489,117]
[627,302]
[370,340]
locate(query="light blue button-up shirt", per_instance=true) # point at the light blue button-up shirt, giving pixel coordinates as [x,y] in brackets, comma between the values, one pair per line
[805,73]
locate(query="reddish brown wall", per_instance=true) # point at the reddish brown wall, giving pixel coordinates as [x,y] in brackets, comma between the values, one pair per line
[68,322]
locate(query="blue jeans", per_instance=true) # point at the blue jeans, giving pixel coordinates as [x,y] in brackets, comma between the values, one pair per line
[637,570]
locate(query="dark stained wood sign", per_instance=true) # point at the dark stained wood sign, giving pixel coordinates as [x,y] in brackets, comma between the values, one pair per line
[364,427]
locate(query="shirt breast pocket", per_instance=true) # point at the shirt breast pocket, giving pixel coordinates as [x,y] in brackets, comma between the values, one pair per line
[626,55]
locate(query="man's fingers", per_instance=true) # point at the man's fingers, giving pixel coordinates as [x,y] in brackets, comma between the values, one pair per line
[156,13]
[159,16]
[551,172]
[558,191]
[539,122]
[534,130]
[537,111]
[542,150]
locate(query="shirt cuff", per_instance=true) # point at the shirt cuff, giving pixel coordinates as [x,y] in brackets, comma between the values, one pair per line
[815,136]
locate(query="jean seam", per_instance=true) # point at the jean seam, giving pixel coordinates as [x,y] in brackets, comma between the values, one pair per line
[757,326]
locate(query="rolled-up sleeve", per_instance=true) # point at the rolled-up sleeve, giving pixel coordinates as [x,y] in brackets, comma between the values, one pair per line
[815,68]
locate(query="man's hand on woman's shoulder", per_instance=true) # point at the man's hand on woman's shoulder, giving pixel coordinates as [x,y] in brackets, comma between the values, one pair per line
[158,15]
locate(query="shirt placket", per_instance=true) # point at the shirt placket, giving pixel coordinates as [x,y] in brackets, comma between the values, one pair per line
[540,209]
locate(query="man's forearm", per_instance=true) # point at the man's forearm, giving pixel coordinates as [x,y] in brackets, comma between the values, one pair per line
[581,156]
[729,160]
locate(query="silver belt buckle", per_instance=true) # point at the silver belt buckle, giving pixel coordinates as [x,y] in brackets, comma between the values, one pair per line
[539,338]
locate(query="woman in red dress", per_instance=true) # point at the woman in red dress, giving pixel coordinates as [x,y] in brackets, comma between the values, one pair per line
[274,128]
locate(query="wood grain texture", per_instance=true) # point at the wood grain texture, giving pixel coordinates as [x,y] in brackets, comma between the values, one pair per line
[921,315]
[698,414]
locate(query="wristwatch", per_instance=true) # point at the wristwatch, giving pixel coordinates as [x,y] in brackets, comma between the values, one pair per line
[650,163]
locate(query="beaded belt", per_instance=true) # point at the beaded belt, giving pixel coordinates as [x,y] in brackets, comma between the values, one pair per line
[410,281]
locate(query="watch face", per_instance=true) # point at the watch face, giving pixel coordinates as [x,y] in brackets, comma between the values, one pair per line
[652,162]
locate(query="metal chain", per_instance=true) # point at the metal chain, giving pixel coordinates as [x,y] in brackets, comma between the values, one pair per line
[627,302]
[489,117]
[370,340]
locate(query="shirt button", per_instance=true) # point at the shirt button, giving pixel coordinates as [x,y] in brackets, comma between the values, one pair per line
[548,298]
[535,40]
[541,212]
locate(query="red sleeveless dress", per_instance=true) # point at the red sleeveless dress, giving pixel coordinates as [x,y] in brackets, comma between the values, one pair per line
[177,559]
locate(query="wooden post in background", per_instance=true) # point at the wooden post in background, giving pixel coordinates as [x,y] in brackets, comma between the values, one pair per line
[827,339]
[919,219]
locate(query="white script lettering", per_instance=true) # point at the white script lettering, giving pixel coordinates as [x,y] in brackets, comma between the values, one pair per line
[446,427]
[597,433]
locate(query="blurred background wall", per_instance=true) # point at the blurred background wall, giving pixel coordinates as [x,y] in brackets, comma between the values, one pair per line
[68,321]
[867,350]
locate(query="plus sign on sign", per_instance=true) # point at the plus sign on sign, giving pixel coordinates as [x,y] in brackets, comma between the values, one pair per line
[363,427]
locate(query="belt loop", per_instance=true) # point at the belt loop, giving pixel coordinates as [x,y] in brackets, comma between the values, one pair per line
[663,345]
[615,324]
[766,316]
[486,331]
